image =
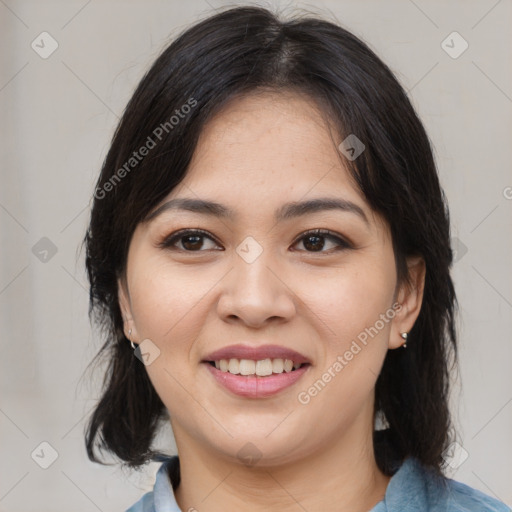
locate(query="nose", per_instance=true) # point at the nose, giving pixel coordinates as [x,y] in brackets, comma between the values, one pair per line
[256,293]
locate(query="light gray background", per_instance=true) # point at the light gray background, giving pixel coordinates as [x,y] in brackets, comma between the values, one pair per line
[57,117]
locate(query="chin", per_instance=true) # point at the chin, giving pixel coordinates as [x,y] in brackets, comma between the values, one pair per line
[261,450]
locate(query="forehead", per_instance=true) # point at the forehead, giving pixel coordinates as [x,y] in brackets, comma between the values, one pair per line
[264,150]
[270,140]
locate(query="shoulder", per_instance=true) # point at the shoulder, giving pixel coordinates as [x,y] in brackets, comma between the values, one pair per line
[462,498]
[415,487]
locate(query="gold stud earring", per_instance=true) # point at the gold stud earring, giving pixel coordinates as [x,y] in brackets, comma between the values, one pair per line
[404,336]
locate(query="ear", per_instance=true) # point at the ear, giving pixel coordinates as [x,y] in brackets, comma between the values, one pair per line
[410,297]
[126,309]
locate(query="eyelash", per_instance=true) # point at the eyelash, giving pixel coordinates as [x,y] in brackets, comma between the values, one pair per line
[169,242]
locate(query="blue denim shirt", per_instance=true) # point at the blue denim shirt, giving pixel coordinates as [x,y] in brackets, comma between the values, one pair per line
[412,488]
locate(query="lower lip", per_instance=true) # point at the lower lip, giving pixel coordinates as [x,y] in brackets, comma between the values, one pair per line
[257,387]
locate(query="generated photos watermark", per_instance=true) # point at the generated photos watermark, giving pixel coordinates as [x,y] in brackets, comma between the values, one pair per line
[304,397]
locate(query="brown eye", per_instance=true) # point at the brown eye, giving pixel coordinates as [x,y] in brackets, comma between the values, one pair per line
[191,240]
[314,241]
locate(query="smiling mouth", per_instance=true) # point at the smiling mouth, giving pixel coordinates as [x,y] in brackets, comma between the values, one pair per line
[260,368]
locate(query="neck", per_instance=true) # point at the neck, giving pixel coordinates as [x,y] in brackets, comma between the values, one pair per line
[343,476]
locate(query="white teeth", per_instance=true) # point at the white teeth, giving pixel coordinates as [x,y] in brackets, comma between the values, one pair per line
[234,366]
[247,367]
[278,366]
[264,367]
[288,365]
[261,368]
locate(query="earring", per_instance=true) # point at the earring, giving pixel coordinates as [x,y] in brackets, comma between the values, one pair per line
[404,336]
[131,342]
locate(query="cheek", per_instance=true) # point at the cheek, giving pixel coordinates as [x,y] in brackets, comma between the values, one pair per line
[349,306]
[168,308]
[355,342]
[349,301]
[165,300]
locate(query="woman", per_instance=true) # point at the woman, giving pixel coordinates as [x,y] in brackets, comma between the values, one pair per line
[269,257]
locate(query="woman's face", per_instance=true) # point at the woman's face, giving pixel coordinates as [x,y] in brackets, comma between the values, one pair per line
[258,288]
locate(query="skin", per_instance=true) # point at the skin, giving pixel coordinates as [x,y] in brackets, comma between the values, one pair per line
[258,153]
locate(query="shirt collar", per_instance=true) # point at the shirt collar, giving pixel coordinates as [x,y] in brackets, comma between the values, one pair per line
[414,488]
[164,500]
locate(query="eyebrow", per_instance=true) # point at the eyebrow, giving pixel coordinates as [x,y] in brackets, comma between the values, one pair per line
[285,212]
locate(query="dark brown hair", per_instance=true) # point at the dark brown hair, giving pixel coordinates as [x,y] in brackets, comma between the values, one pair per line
[239,51]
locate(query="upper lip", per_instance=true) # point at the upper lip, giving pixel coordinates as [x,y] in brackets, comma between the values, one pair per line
[257,353]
